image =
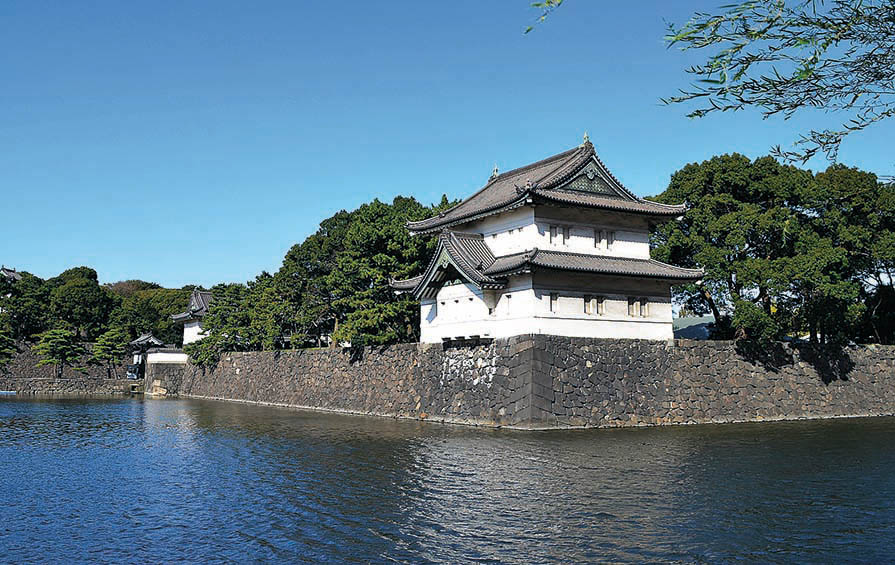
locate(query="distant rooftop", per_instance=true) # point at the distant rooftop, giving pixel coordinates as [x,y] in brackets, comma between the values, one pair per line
[200,301]
[11,274]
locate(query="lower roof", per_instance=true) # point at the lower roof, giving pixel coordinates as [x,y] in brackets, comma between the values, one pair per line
[466,256]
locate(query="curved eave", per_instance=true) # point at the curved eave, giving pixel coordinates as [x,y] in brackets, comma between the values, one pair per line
[417,228]
[639,207]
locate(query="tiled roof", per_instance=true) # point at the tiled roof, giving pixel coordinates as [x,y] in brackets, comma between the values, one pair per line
[466,252]
[200,300]
[545,181]
[469,255]
[10,274]
[147,339]
[602,264]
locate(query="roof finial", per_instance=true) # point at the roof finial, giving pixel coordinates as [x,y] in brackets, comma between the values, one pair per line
[586,140]
[494,173]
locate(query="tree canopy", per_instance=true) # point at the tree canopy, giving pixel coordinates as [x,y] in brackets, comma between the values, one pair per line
[787,57]
[785,251]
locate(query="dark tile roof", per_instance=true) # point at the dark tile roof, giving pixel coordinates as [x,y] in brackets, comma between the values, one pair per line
[466,252]
[147,339]
[472,258]
[200,300]
[10,274]
[601,264]
[547,181]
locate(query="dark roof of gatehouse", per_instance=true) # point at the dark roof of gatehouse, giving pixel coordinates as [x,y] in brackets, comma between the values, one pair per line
[200,301]
[467,255]
[10,274]
[576,177]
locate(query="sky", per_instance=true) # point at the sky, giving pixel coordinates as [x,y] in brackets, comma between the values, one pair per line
[196,142]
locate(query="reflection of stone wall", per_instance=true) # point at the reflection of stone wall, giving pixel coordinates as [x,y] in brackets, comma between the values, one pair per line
[546,381]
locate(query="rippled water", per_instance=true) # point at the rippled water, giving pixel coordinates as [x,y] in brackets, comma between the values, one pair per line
[163,481]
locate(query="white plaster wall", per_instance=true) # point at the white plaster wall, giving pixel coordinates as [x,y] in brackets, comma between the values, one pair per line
[192,331]
[464,312]
[167,357]
[507,233]
[627,242]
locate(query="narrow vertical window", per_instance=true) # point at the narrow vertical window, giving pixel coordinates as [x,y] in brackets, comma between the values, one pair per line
[644,308]
[601,305]
[633,307]
[588,304]
[602,239]
[553,234]
[566,233]
[610,240]
[596,238]
[508,302]
[554,298]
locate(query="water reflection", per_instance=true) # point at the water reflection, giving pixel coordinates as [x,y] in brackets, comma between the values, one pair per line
[161,481]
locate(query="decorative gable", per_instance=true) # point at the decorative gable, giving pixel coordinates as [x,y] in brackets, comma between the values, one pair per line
[591,179]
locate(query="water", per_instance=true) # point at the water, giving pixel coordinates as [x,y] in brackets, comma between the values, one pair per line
[166,481]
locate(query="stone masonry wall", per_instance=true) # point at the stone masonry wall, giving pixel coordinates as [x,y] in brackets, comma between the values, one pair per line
[23,376]
[548,381]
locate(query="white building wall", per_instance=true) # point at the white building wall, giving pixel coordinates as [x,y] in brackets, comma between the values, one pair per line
[192,331]
[525,228]
[166,357]
[524,307]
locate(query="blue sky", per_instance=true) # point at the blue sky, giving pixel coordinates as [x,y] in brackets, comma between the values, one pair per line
[195,142]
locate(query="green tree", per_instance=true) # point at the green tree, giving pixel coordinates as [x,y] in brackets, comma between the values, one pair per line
[85,305]
[26,306]
[110,349]
[128,288]
[60,348]
[150,311]
[7,346]
[740,227]
[790,57]
[225,325]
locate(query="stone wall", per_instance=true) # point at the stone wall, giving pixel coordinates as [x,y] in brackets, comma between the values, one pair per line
[77,385]
[547,381]
[23,376]
[24,365]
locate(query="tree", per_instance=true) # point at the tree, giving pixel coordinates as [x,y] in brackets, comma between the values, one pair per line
[128,288]
[110,349]
[786,57]
[85,305]
[784,251]
[27,306]
[60,348]
[224,325]
[150,311]
[7,346]
[740,227]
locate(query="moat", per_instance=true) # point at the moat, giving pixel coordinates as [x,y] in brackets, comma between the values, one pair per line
[127,480]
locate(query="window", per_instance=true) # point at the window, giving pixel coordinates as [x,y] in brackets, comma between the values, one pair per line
[601,305]
[588,304]
[633,307]
[610,239]
[508,302]
[554,298]
[598,239]
[644,308]
[554,230]
[566,233]
[490,311]
[493,236]
[594,305]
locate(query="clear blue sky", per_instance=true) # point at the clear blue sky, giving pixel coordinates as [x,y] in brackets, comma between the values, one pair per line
[195,142]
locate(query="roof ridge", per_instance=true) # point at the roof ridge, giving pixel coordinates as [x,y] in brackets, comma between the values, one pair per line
[503,176]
